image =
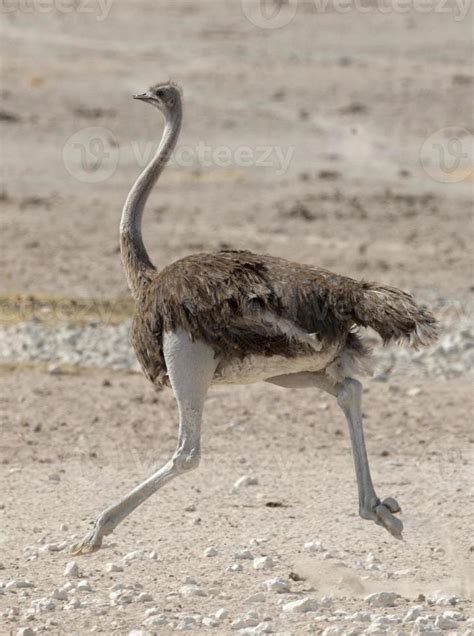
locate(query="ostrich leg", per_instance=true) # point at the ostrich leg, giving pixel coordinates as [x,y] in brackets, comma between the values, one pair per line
[348,394]
[191,366]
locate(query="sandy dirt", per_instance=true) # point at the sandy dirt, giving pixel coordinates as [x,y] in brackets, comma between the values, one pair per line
[354,103]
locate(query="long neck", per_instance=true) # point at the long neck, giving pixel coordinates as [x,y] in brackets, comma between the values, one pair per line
[135,260]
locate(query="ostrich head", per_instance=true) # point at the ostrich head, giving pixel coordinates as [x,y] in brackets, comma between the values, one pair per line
[166,97]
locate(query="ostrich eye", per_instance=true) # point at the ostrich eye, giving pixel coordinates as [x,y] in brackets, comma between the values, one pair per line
[159,93]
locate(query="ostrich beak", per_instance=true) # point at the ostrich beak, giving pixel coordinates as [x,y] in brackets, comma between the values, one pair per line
[145,97]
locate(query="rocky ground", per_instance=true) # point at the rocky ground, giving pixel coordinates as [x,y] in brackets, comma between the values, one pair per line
[365,120]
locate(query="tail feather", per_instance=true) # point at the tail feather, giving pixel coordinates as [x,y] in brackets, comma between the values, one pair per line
[394,315]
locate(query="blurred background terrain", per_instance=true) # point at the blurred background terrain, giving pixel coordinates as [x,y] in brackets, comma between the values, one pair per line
[334,134]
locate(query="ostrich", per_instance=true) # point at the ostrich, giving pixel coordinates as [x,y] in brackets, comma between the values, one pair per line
[234,317]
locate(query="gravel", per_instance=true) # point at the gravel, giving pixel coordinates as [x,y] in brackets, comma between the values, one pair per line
[107,346]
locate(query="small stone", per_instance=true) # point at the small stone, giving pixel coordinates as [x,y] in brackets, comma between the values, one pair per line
[413,392]
[261,628]
[235,567]
[263,563]
[300,607]
[153,556]
[155,620]
[413,614]
[16,583]
[74,603]
[208,621]
[382,599]
[25,631]
[221,614]
[362,617]
[144,597]
[280,586]
[84,586]
[190,508]
[210,552]
[136,555]
[72,570]
[314,546]
[243,554]
[259,597]
[59,594]
[64,527]
[113,567]
[444,622]
[334,629]
[238,624]
[244,481]
[191,590]
[56,477]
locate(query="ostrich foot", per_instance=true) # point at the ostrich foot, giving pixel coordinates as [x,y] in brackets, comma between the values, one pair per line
[93,539]
[382,512]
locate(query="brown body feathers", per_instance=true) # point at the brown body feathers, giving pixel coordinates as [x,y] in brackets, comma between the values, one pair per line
[242,303]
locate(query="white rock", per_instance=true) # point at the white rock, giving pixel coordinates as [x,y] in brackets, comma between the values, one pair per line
[143,597]
[113,567]
[363,617]
[301,606]
[382,599]
[25,631]
[235,567]
[84,586]
[153,556]
[263,563]
[191,590]
[74,603]
[210,552]
[72,570]
[260,628]
[188,622]
[243,554]
[424,626]
[208,621]
[413,614]
[136,555]
[239,623]
[221,613]
[259,597]
[121,597]
[444,622]
[314,546]
[155,620]
[245,481]
[456,616]
[333,629]
[16,583]
[59,594]
[280,586]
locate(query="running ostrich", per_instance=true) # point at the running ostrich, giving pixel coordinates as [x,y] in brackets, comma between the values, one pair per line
[233,317]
